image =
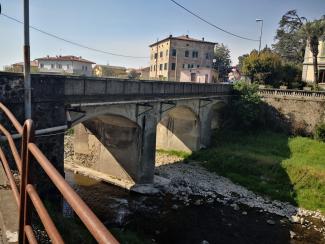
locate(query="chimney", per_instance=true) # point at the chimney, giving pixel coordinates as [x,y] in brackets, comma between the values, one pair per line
[202,38]
[47,56]
[186,36]
[170,36]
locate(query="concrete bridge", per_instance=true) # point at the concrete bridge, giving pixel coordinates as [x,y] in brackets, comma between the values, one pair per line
[118,124]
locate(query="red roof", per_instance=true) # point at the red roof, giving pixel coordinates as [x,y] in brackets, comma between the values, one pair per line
[66,58]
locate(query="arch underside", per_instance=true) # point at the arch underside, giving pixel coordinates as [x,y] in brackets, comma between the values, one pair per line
[179,130]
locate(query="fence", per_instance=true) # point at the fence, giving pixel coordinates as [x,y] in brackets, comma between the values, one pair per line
[28,196]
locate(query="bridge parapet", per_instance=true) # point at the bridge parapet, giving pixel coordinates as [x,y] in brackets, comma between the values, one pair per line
[289,93]
[84,88]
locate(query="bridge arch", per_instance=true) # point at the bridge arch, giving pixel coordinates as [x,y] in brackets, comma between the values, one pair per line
[211,120]
[179,129]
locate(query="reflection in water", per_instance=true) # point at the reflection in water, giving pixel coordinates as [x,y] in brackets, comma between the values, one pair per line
[109,202]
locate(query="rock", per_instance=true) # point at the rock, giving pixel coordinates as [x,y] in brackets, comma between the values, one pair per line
[292,234]
[302,221]
[204,242]
[210,200]
[244,213]
[198,202]
[175,207]
[235,206]
[295,219]
[270,222]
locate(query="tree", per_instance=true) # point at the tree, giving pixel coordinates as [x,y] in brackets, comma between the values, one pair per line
[244,110]
[314,32]
[222,60]
[263,67]
[241,61]
[133,74]
[290,43]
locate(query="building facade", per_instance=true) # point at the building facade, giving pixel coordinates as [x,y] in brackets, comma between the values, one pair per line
[109,71]
[199,75]
[19,67]
[308,68]
[171,55]
[65,64]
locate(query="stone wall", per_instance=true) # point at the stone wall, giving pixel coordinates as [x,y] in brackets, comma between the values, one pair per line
[47,111]
[294,115]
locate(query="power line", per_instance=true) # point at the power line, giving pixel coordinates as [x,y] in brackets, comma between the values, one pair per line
[72,42]
[211,24]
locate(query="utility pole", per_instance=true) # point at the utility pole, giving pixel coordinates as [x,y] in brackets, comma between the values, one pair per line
[260,20]
[157,60]
[27,80]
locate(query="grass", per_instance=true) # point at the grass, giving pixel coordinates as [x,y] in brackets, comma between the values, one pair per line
[284,168]
[179,154]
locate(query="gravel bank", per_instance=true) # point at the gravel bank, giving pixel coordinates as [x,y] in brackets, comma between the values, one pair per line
[193,179]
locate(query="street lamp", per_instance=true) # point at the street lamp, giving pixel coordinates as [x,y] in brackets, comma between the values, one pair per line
[260,20]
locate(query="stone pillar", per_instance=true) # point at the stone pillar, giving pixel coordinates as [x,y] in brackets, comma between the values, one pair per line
[148,149]
[205,127]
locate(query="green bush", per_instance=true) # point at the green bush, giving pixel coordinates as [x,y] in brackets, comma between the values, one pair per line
[319,133]
[244,111]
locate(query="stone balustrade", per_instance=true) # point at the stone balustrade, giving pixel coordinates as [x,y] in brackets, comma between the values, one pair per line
[297,94]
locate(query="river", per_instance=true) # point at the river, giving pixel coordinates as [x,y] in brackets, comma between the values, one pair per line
[162,218]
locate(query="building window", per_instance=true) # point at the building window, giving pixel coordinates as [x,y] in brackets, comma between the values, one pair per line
[173,66]
[165,66]
[183,66]
[192,66]
[160,66]
[154,68]
[86,68]
[52,66]
[195,54]
[156,55]
[198,66]
[59,66]
[207,56]
[42,65]
[161,54]
[167,53]
[187,53]
[174,52]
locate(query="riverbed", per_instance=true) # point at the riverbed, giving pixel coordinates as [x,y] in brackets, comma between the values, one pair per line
[184,213]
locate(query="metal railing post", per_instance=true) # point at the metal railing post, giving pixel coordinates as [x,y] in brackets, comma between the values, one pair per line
[24,204]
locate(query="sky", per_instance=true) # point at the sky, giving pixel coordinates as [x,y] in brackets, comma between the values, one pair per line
[128,27]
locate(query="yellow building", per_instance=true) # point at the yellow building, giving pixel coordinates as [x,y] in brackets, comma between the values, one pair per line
[171,55]
[109,71]
[308,68]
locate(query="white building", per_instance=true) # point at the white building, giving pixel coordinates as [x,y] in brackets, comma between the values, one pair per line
[308,67]
[65,64]
[199,75]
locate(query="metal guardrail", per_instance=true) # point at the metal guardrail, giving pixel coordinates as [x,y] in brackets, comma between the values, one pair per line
[291,93]
[27,196]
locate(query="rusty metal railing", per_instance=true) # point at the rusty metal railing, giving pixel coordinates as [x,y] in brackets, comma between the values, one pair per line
[27,197]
